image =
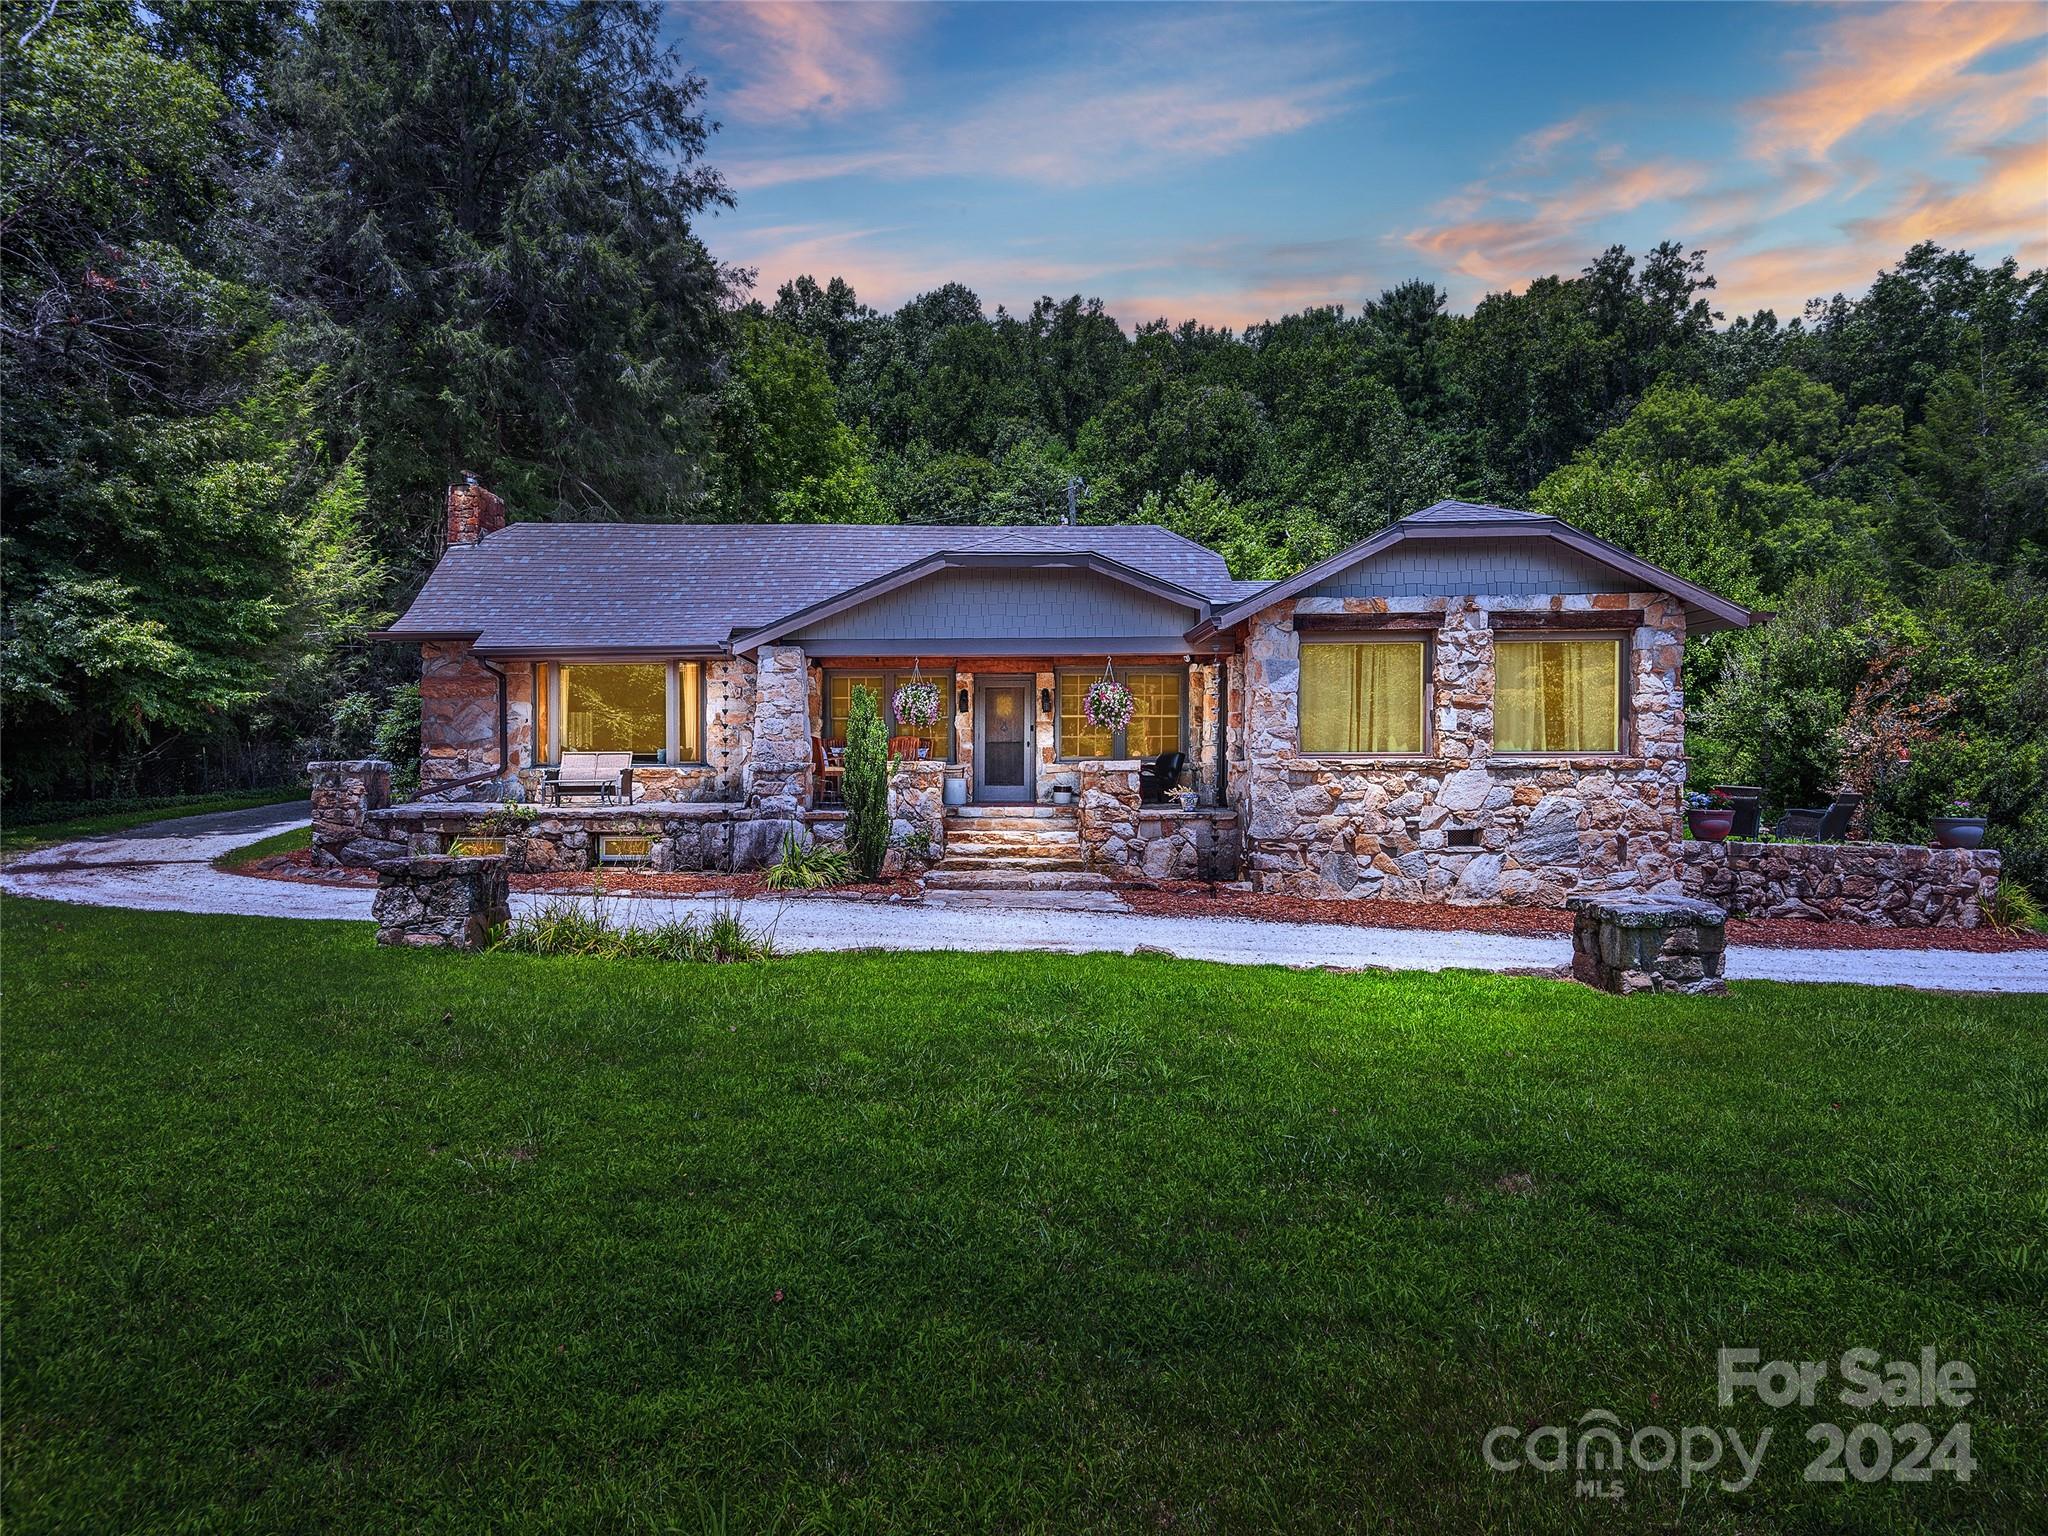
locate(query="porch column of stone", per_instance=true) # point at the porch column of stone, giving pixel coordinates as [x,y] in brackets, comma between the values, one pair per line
[781,770]
[1272,686]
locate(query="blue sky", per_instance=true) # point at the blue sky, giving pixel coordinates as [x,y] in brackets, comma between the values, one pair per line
[1232,163]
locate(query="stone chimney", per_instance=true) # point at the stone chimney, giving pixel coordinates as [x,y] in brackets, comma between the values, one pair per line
[472,512]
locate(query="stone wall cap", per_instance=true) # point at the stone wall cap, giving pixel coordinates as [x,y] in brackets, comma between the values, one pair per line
[1648,911]
[428,866]
[350,765]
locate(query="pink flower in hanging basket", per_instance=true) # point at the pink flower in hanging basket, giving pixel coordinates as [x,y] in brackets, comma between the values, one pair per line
[1108,705]
[917,704]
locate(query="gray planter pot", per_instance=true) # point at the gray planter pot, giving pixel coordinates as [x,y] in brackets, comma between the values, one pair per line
[1959,831]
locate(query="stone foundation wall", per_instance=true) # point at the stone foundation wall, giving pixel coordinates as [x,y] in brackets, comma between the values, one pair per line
[1121,835]
[1462,824]
[1888,885]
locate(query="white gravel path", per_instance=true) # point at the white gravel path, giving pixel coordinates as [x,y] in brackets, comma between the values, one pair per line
[168,868]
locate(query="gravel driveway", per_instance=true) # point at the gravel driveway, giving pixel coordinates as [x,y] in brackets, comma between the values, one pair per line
[167,867]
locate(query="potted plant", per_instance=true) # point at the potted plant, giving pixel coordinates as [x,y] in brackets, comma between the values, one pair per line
[1747,802]
[1063,794]
[1959,826]
[1188,799]
[917,706]
[1709,816]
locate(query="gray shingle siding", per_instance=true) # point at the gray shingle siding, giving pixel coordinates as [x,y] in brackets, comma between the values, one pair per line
[1006,605]
[1506,567]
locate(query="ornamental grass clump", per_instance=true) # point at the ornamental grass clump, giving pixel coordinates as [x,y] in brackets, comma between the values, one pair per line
[808,868]
[590,927]
[865,786]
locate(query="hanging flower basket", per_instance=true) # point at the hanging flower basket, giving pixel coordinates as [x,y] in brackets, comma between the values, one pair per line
[1108,705]
[917,704]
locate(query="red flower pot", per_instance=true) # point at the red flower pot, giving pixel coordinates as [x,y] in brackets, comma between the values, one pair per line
[1711,826]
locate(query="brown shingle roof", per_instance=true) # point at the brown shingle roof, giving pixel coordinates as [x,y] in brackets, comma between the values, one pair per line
[691,586]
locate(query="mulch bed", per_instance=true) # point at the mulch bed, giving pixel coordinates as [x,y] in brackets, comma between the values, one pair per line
[1195,899]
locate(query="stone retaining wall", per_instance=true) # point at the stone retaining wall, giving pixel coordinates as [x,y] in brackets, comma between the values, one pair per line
[1120,834]
[1888,885]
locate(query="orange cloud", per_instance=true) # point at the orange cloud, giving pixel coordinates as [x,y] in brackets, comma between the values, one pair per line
[795,60]
[1559,231]
[1887,64]
[2008,204]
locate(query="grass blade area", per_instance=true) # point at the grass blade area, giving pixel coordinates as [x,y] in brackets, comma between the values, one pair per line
[302,1233]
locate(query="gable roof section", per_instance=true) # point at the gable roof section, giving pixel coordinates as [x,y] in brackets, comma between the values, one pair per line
[683,588]
[1000,554]
[1705,611]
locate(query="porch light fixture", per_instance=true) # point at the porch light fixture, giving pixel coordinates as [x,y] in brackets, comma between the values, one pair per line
[960,705]
[1045,701]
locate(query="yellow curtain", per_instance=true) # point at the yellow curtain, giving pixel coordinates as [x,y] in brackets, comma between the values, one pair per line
[1362,698]
[1077,737]
[839,700]
[616,709]
[1557,696]
[1155,714]
[690,712]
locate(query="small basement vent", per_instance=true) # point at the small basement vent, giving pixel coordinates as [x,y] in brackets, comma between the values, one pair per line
[1462,837]
[624,850]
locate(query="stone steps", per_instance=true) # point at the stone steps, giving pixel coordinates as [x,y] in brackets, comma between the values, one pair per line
[1009,861]
[1015,880]
[1055,900]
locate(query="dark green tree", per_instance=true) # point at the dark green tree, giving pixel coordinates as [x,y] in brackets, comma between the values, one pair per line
[866,784]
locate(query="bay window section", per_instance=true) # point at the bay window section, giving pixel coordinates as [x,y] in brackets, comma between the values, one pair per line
[1158,720]
[1364,698]
[1557,695]
[652,709]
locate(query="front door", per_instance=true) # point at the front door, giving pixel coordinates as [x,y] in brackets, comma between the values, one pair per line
[1002,740]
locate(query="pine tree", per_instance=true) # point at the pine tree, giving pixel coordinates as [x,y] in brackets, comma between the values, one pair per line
[866,785]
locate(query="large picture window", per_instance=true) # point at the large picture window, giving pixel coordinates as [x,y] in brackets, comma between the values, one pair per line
[1157,723]
[1557,696]
[652,709]
[1363,697]
[839,687]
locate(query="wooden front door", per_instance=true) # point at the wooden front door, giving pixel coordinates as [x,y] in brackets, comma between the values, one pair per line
[1003,740]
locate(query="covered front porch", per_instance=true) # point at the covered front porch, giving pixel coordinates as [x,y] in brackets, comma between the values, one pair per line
[1013,728]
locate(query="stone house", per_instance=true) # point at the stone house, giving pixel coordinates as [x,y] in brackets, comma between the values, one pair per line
[1476,704]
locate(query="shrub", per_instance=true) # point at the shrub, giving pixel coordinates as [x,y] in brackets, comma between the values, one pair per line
[866,784]
[2013,906]
[808,869]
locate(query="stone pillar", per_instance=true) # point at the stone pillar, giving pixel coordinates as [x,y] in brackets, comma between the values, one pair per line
[438,901]
[344,794]
[1629,944]
[1108,819]
[1463,683]
[779,778]
[458,717]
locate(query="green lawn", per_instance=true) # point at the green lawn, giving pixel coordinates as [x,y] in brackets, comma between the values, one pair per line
[305,1234]
[264,847]
[24,829]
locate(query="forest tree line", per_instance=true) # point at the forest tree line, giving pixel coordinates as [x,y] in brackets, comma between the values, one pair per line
[273,275]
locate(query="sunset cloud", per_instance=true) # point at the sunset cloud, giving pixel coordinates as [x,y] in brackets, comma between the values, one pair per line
[792,60]
[1885,65]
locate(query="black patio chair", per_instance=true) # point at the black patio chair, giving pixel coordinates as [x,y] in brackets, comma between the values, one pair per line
[1157,778]
[1824,824]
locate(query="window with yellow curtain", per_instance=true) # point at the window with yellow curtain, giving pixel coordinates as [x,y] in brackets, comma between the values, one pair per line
[1557,696]
[689,711]
[616,708]
[1077,737]
[839,688]
[1362,696]
[1155,714]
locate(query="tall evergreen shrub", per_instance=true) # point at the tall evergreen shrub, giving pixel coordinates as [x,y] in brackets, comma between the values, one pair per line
[866,785]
